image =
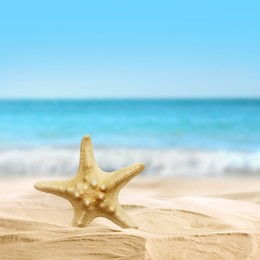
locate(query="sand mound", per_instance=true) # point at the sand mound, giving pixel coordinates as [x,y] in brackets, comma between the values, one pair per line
[34,225]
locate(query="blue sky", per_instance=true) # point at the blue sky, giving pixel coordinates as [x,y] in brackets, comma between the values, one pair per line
[92,49]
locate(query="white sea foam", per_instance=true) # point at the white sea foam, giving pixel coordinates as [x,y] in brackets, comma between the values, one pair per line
[54,161]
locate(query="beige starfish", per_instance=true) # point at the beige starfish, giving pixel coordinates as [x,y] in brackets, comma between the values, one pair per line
[93,192]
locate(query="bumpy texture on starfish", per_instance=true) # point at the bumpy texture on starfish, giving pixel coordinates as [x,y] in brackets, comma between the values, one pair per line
[93,192]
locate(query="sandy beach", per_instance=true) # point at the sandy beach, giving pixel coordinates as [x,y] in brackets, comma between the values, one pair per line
[177,219]
[146,114]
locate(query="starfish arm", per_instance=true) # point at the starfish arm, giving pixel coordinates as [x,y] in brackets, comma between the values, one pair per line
[123,176]
[87,158]
[54,187]
[81,217]
[120,218]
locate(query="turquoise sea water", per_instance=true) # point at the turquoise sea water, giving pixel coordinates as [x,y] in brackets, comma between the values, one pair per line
[170,136]
[195,124]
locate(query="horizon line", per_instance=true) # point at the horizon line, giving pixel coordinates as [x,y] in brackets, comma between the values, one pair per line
[123,98]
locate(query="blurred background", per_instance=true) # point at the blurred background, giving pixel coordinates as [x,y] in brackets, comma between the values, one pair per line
[174,84]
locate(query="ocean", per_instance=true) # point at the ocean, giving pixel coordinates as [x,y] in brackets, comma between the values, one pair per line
[174,137]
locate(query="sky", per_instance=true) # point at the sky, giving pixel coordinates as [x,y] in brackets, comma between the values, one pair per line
[129,49]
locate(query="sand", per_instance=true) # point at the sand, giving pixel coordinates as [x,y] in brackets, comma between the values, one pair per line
[177,219]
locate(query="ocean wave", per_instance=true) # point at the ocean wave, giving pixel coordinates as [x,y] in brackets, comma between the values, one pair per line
[57,161]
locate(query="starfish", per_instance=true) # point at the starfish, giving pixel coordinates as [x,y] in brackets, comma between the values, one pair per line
[93,192]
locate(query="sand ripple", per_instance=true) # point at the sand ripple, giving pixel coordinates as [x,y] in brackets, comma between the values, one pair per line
[37,226]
